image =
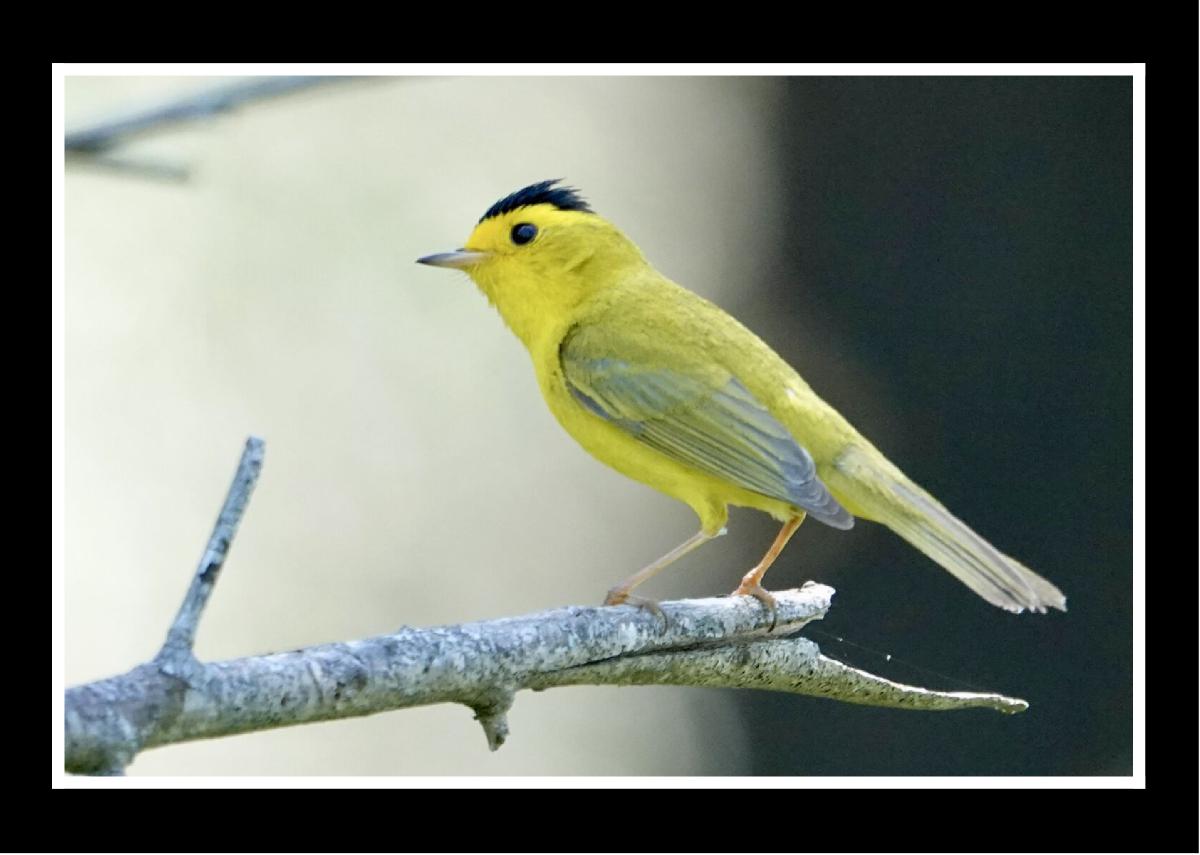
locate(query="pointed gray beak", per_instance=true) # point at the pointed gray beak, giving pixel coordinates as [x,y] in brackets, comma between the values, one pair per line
[460,259]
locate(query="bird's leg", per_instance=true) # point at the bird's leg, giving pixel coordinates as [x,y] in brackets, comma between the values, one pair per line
[752,581]
[620,593]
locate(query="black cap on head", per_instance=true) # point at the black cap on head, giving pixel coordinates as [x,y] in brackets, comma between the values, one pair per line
[542,193]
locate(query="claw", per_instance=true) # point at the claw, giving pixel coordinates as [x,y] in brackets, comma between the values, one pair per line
[617,597]
[763,596]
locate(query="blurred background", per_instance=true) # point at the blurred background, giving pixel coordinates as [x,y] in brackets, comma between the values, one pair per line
[946,260]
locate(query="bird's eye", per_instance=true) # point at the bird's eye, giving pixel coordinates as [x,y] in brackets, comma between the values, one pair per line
[523,233]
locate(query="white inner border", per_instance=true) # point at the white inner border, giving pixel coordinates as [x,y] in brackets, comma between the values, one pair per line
[58,407]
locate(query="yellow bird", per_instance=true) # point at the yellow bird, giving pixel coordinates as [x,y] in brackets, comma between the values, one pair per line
[668,389]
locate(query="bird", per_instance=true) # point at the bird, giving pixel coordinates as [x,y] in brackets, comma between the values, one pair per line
[672,391]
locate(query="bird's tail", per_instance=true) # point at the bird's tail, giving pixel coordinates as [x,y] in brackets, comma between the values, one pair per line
[875,489]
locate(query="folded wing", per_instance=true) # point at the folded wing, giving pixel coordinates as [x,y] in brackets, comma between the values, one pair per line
[701,416]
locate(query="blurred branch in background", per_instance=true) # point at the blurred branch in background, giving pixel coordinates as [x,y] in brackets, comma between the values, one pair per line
[94,143]
[718,642]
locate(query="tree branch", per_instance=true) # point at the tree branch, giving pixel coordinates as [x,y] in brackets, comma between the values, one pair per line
[718,642]
[103,135]
[93,144]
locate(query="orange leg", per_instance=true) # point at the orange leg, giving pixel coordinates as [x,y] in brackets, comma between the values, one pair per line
[752,581]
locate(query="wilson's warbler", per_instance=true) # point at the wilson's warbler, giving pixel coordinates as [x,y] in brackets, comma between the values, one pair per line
[668,389]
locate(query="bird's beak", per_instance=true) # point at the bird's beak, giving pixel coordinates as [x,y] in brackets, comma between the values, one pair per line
[460,259]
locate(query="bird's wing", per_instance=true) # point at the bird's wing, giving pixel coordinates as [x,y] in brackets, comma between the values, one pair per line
[700,415]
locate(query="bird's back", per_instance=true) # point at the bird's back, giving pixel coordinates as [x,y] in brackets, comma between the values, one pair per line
[654,312]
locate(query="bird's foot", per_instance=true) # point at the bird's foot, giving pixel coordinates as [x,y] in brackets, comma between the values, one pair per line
[618,596]
[761,594]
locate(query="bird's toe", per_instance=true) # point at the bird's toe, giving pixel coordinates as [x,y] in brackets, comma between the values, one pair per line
[762,595]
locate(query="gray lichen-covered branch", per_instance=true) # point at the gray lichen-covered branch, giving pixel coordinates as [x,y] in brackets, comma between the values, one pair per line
[721,642]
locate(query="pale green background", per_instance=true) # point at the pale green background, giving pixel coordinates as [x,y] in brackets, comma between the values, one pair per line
[413,475]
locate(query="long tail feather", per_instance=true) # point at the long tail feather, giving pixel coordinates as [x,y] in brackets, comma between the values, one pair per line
[881,492]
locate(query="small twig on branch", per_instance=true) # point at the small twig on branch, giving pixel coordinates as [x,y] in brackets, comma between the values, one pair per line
[181,637]
[719,642]
[140,167]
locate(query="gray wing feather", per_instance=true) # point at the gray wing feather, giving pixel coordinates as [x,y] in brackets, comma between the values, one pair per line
[724,431]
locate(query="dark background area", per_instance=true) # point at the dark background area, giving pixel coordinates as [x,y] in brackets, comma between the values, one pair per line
[970,240]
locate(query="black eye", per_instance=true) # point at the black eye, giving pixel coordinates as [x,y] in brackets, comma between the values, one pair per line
[523,232]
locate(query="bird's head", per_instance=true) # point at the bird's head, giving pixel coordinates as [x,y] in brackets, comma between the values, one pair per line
[538,252]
